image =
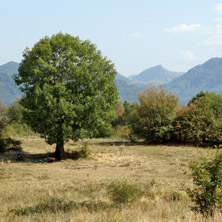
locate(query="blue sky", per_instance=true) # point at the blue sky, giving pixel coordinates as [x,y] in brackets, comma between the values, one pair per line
[134,34]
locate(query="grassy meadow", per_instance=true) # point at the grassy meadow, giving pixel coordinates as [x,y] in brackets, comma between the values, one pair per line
[78,190]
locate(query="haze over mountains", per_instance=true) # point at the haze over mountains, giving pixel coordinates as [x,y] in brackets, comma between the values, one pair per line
[204,77]
[156,74]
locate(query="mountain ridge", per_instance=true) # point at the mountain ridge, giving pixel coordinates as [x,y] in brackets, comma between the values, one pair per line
[202,77]
[9,68]
[8,89]
[156,74]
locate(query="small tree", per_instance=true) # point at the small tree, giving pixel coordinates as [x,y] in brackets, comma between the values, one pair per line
[69,89]
[3,111]
[119,119]
[153,117]
[207,179]
[14,112]
[201,121]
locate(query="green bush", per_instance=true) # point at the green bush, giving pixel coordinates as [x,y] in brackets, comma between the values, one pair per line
[84,152]
[123,192]
[57,205]
[132,137]
[152,119]
[200,122]
[207,179]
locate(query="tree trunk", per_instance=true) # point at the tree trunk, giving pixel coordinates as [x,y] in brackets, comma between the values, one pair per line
[60,152]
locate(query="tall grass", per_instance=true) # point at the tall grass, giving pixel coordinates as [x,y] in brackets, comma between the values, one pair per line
[87,189]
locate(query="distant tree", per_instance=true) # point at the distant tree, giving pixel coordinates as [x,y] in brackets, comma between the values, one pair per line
[153,117]
[119,111]
[201,121]
[14,112]
[191,124]
[129,108]
[3,111]
[123,112]
[198,96]
[69,90]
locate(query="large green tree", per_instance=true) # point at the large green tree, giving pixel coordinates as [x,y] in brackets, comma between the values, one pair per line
[69,89]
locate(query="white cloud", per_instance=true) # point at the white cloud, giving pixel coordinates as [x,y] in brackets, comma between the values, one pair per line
[218,8]
[136,35]
[184,28]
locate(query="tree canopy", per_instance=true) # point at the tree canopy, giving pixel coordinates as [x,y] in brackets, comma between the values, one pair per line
[69,89]
[201,121]
[153,117]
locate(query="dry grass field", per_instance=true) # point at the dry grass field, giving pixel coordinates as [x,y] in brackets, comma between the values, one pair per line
[77,190]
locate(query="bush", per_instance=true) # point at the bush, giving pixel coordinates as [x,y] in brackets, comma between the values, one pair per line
[84,152]
[207,179]
[15,129]
[200,122]
[123,192]
[56,205]
[152,119]
[123,131]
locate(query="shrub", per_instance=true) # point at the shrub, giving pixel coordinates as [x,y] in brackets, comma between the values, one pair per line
[123,192]
[152,119]
[123,131]
[132,137]
[84,152]
[200,122]
[57,205]
[207,179]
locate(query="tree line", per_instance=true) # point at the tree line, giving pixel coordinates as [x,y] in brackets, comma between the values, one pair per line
[158,118]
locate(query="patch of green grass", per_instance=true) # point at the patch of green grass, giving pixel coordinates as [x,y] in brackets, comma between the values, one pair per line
[55,205]
[123,192]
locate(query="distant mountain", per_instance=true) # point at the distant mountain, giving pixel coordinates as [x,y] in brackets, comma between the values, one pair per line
[8,89]
[128,89]
[9,68]
[205,77]
[156,74]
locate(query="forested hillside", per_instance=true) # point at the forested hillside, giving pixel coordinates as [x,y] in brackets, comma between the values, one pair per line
[205,77]
[8,89]
[128,89]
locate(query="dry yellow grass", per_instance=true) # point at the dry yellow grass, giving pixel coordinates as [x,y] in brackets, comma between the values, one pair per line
[76,190]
